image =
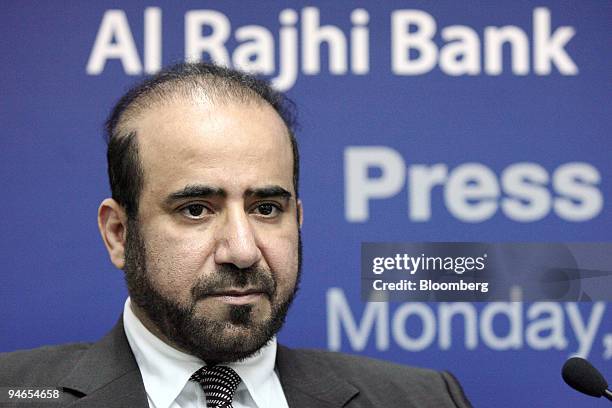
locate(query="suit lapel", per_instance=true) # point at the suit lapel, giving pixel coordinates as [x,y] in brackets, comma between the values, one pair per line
[107,375]
[308,382]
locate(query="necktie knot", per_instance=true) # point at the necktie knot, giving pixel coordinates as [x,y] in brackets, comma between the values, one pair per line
[219,384]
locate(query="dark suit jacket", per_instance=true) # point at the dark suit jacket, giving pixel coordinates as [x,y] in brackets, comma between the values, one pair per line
[105,374]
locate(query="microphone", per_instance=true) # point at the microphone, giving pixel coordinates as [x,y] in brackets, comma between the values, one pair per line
[582,376]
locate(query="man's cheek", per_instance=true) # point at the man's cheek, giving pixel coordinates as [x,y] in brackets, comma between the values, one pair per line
[282,256]
[184,249]
[284,268]
[174,274]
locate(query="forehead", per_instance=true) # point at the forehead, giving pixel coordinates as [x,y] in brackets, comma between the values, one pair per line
[232,145]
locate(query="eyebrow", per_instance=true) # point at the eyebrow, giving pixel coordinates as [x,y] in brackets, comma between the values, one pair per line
[195,191]
[204,191]
[268,192]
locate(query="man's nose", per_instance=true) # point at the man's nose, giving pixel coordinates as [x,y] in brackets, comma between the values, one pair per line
[236,240]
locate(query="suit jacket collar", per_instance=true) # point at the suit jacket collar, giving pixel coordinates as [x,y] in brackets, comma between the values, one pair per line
[308,381]
[107,374]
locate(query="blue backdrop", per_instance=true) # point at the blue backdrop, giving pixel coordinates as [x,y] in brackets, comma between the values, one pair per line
[420,121]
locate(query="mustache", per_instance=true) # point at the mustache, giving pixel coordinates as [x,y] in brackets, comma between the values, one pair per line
[230,276]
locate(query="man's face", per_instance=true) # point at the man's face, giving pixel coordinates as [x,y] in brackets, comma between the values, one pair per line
[213,259]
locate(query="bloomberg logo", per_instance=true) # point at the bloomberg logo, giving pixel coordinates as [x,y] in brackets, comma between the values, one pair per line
[523,192]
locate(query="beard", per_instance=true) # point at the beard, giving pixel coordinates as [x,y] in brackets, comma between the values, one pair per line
[204,337]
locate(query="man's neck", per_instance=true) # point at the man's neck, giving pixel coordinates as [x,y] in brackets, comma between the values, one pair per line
[152,327]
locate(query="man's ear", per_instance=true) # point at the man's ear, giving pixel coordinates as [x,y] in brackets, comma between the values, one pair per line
[300,213]
[112,222]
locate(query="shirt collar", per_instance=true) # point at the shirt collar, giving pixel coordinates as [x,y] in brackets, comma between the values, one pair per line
[166,370]
[257,374]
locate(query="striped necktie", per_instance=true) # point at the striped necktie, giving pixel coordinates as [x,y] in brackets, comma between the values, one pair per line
[219,384]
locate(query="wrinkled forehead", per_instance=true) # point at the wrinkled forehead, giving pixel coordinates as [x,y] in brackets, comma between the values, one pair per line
[205,93]
[197,140]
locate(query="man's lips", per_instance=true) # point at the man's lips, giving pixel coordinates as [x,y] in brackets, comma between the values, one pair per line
[237,296]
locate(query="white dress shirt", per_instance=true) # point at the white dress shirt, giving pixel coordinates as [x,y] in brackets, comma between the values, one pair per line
[165,372]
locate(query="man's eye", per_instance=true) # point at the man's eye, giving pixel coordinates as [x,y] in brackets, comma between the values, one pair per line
[195,211]
[267,209]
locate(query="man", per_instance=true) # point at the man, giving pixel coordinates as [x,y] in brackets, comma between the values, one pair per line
[205,222]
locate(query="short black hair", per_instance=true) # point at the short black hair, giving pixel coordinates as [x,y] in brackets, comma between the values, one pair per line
[125,170]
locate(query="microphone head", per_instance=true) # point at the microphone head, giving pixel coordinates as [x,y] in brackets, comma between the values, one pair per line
[582,376]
